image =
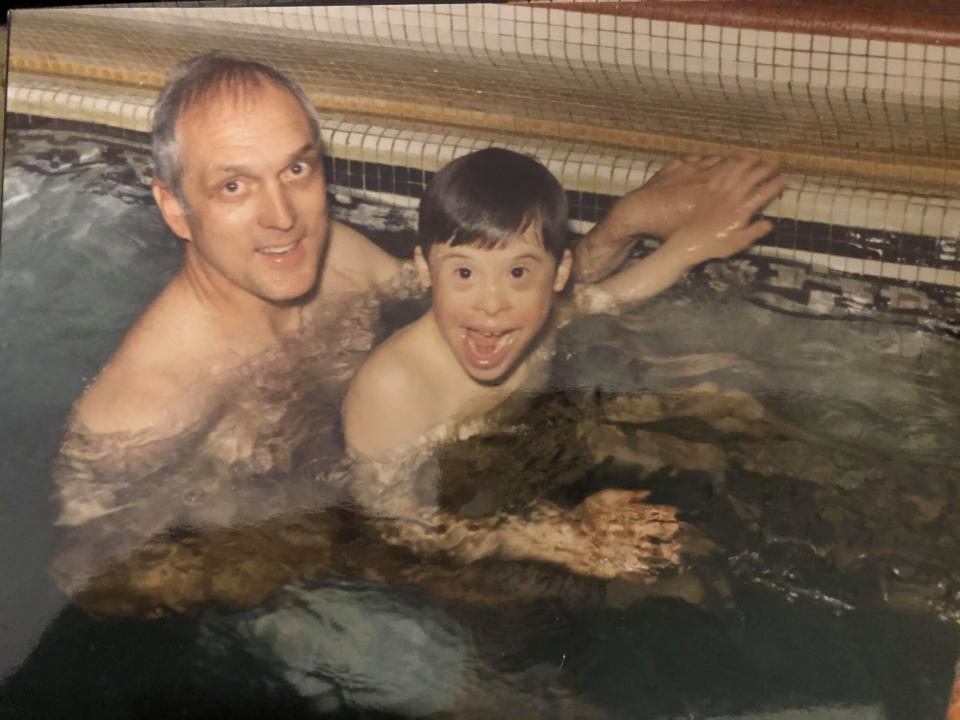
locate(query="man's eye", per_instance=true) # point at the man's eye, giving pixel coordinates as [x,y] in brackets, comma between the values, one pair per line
[231,186]
[518,272]
[464,273]
[299,168]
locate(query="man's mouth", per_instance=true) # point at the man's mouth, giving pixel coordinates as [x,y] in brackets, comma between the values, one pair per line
[279,250]
[487,348]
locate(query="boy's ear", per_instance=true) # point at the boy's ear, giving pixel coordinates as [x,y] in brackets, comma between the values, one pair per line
[172,210]
[423,270]
[563,271]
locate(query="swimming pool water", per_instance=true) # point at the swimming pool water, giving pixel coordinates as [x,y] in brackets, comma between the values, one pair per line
[835,587]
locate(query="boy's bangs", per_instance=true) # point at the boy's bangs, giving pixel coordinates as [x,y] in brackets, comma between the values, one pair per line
[495,238]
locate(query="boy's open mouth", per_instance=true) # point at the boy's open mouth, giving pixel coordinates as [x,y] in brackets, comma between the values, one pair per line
[487,348]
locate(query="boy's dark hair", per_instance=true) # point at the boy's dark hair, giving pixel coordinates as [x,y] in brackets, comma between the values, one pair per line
[490,196]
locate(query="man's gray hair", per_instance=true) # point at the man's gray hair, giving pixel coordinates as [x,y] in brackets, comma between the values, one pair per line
[190,82]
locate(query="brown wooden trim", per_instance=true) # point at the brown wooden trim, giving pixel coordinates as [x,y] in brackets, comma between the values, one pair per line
[935,22]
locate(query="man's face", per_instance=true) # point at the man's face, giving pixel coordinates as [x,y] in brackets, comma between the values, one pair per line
[256,216]
[491,304]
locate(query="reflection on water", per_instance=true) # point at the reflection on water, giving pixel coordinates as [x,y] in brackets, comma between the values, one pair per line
[815,458]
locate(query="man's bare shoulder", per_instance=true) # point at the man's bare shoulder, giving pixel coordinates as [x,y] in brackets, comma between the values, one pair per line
[387,403]
[355,263]
[148,379]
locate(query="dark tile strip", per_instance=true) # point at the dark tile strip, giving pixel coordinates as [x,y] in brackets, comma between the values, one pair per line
[789,233]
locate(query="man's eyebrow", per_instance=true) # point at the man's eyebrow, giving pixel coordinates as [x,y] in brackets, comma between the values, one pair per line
[299,154]
[308,149]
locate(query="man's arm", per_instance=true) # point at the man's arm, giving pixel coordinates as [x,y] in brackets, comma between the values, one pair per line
[356,264]
[738,189]
[684,188]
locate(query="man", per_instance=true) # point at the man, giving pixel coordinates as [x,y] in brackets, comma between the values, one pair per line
[239,178]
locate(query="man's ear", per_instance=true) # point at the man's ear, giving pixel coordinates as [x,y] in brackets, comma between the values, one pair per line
[172,210]
[423,269]
[563,271]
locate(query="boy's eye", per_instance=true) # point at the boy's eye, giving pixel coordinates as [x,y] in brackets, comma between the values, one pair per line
[464,273]
[518,272]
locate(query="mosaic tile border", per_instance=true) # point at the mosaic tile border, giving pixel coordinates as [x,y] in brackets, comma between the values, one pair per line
[840,130]
[835,111]
[581,167]
[856,252]
[894,235]
[771,279]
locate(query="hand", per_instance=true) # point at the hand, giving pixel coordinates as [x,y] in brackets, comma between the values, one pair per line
[719,224]
[670,198]
[613,533]
[681,193]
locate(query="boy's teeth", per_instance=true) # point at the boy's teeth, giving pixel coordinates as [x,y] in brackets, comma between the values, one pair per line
[504,338]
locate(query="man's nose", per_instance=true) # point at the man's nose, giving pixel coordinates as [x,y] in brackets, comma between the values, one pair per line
[276,209]
[492,298]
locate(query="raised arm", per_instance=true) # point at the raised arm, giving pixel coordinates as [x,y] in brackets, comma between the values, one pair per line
[719,225]
[668,201]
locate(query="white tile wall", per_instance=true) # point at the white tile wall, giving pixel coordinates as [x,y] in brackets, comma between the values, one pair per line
[816,60]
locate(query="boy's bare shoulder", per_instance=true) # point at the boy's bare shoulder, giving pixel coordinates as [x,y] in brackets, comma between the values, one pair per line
[385,404]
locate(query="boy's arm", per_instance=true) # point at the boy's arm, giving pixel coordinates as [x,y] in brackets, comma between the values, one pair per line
[613,533]
[679,191]
[717,228]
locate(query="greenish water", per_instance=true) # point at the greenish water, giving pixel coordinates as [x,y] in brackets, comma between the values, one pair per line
[818,457]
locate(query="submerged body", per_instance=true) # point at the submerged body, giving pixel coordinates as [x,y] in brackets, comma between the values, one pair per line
[879,386]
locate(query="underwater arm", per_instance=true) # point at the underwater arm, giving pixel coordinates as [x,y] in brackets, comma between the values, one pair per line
[684,188]
[715,229]
[181,570]
[611,534]
[141,533]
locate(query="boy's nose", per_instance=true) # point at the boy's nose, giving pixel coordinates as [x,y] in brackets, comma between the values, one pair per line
[276,210]
[492,299]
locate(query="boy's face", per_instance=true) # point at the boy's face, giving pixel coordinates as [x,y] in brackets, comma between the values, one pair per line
[490,304]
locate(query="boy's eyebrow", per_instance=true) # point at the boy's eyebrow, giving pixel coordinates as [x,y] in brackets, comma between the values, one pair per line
[529,256]
[454,255]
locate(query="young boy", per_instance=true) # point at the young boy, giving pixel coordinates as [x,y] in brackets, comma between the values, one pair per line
[494,250]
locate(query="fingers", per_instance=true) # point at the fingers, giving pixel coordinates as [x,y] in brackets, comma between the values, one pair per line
[764,193]
[762,170]
[751,233]
[671,168]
